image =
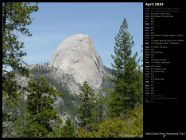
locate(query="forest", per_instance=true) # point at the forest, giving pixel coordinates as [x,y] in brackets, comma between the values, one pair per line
[29,109]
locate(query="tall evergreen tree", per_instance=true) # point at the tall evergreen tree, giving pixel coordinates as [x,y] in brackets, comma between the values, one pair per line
[41,113]
[125,93]
[86,104]
[15,19]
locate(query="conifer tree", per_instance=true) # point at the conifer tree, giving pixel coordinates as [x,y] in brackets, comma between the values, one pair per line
[86,104]
[15,20]
[41,113]
[100,108]
[125,93]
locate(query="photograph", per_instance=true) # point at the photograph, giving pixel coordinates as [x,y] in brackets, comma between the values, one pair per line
[72,70]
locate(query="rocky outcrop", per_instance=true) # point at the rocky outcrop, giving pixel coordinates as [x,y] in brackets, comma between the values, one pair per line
[76,56]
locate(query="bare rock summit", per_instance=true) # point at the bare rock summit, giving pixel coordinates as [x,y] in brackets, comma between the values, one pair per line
[76,56]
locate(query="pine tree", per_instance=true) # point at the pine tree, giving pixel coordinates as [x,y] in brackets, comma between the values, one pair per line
[100,108]
[87,105]
[40,110]
[125,93]
[15,19]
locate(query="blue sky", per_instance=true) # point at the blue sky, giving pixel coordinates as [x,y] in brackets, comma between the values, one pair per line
[54,22]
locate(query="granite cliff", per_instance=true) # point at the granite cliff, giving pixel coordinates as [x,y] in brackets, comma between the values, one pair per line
[77,58]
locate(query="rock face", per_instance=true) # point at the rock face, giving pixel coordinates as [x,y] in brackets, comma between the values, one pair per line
[76,56]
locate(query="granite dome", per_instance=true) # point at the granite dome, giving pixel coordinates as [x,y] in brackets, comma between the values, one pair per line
[76,56]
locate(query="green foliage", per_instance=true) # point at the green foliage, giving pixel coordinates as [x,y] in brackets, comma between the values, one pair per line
[135,118]
[82,133]
[14,114]
[40,109]
[69,100]
[57,128]
[99,110]
[127,79]
[114,127]
[35,129]
[86,105]
[9,115]
[65,131]
[130,125]
[15,19]
[68,130]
